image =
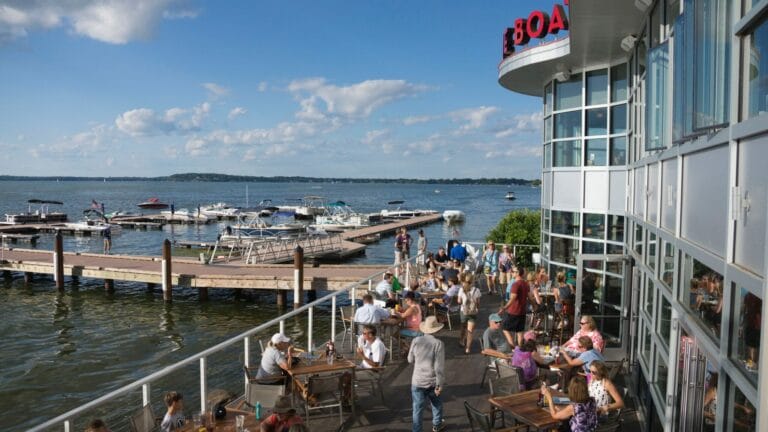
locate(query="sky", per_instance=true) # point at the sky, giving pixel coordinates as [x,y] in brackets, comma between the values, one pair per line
[373,88]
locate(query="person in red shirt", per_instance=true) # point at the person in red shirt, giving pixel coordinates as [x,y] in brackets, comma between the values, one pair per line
[283,417]
[515,308]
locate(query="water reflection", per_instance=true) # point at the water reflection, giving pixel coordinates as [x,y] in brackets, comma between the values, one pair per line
[168,327]
[63,325]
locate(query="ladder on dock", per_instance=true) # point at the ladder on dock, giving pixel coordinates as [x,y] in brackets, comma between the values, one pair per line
[278,250]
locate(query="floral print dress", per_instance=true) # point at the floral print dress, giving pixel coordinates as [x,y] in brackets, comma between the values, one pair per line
[584,416]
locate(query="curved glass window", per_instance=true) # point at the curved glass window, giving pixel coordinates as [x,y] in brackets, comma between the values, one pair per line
[619,83]
[758,70]
[568,124]
[597,87]
[597,121]
[619,118]
[595,153]
[568,93]
[567,153]
[619,151]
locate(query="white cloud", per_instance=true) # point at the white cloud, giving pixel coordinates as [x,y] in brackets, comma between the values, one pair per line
[412,120]
[262,87]
[472,118]
[110,161]
[356,100]
[375,135]
[146,122]
[236,112]
[111,21]
[215,91]
[520,123]
[84,142]
[196,147]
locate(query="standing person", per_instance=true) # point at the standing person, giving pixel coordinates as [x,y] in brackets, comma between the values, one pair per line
[516,307]
[402,246]
[427,354]
[469,299]
[505,265]
[491,266]
[458,252]
[421,246]
[107,240]
[174,417]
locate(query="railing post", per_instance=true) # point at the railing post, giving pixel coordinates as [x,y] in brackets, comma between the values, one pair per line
[58,261]
[333,318]
[408,274]
[146,396]
[68,426]
[282,326]
[246,360]
[309,330]
[298,276]
[167,294]
[203,385]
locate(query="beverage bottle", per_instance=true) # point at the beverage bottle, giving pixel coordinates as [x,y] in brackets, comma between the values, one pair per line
[257,410]
[540,400]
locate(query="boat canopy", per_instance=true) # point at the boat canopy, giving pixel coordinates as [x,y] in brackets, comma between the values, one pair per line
[337,204]
[39,201]
[395,202]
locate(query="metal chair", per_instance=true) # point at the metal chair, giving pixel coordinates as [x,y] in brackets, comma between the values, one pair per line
[451,309]
[489,365]
[262,393]
[502,387]
[144,420]
[480,421]
[347,321]
[324,391]
[617,368]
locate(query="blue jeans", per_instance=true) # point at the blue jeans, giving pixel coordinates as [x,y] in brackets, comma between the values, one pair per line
[419,397]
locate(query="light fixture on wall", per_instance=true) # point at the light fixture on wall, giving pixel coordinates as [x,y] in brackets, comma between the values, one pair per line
[628,43]
[643,4]
[563,76]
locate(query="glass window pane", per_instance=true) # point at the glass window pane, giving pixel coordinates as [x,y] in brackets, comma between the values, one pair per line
[613,290]
[619,118]
[565,223]
[647,346]
[651,257]
[567,153]
[594,225]
[564,250]
[758,70]
[547,129]
[746,351]
[568,124]
[548,156]
[639,240]
[702,292]
[589,247]
[619,151]
[596,152]
[665,320]
[619,83]
[547,99]
[662,370]
[597,121]
[668,264]
[656,97]
[712,30]
[650,294]
[742,415]
[656,23]
[614,249]
[597,87]
[568,93]
[616,228]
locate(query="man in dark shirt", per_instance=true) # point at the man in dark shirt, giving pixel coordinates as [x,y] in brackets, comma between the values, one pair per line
[441,258]
[516,307]
[450,272]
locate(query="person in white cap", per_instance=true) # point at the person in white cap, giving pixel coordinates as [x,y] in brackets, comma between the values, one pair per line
[273,361]
[427,354]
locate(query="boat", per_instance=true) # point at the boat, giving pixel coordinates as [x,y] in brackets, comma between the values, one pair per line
[401,213]
[510,196]
[121,214]
[454,216]
[265,208]
[184,215]
[257,227]
[219,210]
[41,215]
[310,207]
[340,217]
[153,204]
[93,223]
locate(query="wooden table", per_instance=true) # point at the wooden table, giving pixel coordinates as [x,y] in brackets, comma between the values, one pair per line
[494,353]
[228,423]
[522,406]
[301,372]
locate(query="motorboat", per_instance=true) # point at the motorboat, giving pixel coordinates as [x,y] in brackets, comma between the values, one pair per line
[310,207]
[510,196]
[398,212]
[41,215]
[153,204]
[340,217]
[93,223]
[219,210]
[454,216]
[119,214]
[265,208]
[184,215]
[257,227]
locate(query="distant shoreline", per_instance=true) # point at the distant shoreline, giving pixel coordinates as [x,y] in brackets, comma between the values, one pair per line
[207,177]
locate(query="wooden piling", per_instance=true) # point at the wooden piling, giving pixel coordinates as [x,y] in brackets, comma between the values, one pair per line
[298,276]
[75,280]
[27,277]
[282,298]
[6,274]
[109,285]
[311,296]
[167,294]
[58,261]
[150,287]
[202,294]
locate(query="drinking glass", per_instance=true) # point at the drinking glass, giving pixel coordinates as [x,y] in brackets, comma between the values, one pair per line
[197,420]
[239,423]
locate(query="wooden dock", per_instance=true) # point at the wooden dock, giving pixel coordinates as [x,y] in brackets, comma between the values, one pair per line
[391,227]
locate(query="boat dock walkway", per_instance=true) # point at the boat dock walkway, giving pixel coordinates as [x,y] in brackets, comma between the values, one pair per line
[390,227]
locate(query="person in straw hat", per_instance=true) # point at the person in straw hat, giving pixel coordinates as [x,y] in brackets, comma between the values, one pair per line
[427,354]
[282,418]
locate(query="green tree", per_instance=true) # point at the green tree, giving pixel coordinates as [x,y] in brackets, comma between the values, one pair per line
[519,227]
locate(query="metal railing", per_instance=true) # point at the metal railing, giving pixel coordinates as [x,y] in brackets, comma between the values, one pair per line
[144,384]
[281,250]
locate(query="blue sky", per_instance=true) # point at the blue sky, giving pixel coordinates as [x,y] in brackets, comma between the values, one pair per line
[323,88]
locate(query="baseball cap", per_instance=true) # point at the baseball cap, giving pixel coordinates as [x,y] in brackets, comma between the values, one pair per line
[529,335]
[494,317]
[279,338]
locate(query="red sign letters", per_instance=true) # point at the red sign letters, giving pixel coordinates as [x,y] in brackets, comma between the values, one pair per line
[538,25]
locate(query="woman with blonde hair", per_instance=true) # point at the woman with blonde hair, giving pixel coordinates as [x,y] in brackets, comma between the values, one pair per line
[602,390]
[581,411]
[469,299]
[588,328]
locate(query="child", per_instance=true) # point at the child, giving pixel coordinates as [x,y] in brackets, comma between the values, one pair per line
[174,417]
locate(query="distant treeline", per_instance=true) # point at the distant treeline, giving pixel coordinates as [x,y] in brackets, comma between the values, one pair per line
[210,177]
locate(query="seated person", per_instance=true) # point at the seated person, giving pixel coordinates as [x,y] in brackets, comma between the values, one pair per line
[441,258]
[274,362]
[384,290]
[451,271]
[411,315]
[602,390]
[283,417]
[581,411]
[493,337]
[414,288]
[527,359]
[97,425]
[450,299]
[587,327]
[174,417]
[431,282]
[369,313]
[587,354]
[372,350]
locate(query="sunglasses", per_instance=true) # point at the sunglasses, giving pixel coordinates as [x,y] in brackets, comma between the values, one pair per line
[583,323]
[367,333]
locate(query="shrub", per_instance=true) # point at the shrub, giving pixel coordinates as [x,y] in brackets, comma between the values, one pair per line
[521,227]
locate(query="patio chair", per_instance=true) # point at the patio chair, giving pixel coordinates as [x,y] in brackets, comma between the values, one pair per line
[617,368]
[502,387]
[324,391]
[372,376]
[480,421]
[444,313]
[144,420]
[490,364]
[347,317]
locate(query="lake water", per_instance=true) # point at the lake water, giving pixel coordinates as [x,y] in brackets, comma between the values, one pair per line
[60,350]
